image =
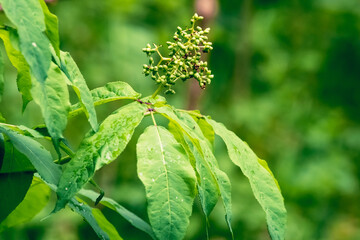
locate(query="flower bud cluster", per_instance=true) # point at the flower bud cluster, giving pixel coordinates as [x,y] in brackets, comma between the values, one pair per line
[184,60]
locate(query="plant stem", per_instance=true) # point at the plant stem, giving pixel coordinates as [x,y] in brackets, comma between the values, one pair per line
[157,91]
[153,118]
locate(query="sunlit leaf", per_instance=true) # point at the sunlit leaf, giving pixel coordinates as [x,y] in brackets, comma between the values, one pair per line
[39,157]
[110,92]
[28,17]
[11,42]
[169,181]
[98,149]
[35,200]
[52,27]
[129,216]
[13,187]
[78,83]
[102,227]
[263,184]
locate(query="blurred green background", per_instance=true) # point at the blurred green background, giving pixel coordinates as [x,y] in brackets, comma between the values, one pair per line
[287,81]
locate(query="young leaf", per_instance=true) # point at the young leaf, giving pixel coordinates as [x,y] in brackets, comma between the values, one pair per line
[39,157]
[98,149]
[52,27]
[35,200]
[10,39]
[13,187]
[28,18]
[53,98]
[78,83]
[110,92]
[263,184]
[102,227]
[129,216]
[169,181]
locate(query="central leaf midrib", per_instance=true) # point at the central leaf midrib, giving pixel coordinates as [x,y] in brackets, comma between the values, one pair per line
[166,174]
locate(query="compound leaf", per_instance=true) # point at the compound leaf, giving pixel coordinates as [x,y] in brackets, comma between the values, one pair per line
[28,17]
[129,216]
[169,181]
[78,83]
[98,149]
[110,92]
[35,200]
[102,227]
[263,184]
[39,157]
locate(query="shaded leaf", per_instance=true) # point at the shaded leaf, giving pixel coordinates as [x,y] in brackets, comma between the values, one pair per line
[110,92]
[28,17]
[10,39]
[14,161]
[53,98]
[102,227]
[98,149]
[262,182]
[169,181]
[13,187]
[35,200]
[52,27]
[81,89]
[39,157]
[129,216]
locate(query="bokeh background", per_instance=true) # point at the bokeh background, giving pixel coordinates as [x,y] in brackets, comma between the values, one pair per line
[287,81]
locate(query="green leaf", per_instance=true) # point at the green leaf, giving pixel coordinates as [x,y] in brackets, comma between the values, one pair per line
[14,161]
[52,27]
[10,39]
[53,98]
[39,157]
[1,75]
[35,200]
[98,149]
[207,130]
[129,216]
[110,92]
[263,184]
[208,185]
[169,181]
[78,83]
[28,18]
[206,153]
[13,187]
[102,227]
